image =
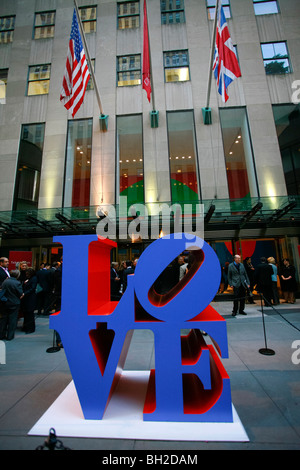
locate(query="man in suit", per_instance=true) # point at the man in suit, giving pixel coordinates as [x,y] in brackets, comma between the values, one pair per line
[238,279]
[13,292]
[3,270]
[115,282]
[45,280]
[4,274]
[263,278]
[129,270]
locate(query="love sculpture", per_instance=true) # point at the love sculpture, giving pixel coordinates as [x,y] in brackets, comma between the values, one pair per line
[189,382]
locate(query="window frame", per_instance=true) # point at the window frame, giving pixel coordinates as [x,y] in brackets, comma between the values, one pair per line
[118,192]
[43,26]
[174,67]
[274,59]
[33,167]
[240,141]
[88,21]
[7,30]
[128,15]
[170,11]
[259,2]
[90,83]
[3,79]
[38,80]
[128,70]
[211,9]
[70,158]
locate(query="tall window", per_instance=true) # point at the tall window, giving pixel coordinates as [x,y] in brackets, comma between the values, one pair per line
[88,16]
[211,9]
[128,15]
[44,24]
[176,65]
[90,85]
[38,80]
[172,11]
[287,121]
[3,84]
[7,26]
[29,166]
[265,7]
[130,158]
[276,57]
[182,156]
[78,163]
[129,70]
[241,175]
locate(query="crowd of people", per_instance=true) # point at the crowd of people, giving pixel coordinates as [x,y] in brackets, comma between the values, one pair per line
[171,275]
[25,292]
[118,277]
[244,278]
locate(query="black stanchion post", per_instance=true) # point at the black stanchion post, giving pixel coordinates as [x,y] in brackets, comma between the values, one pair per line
[54,348]
[265,351]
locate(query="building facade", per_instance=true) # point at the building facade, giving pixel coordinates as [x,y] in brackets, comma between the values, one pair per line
[57,174]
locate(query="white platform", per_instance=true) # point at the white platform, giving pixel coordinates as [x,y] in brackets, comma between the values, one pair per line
[123,418]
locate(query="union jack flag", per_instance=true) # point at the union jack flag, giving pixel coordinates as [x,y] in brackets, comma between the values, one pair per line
[77,74]
[226,67]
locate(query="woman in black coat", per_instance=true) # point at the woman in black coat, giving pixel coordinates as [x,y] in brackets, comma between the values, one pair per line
[288,281]
[29,301]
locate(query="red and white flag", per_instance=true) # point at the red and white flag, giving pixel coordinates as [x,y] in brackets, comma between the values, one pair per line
[146,57]
[77,74]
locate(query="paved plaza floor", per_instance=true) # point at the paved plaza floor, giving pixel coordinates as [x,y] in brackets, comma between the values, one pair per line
[265,389]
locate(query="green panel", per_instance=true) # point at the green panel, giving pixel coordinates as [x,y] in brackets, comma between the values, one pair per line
[181,192]
[135,193]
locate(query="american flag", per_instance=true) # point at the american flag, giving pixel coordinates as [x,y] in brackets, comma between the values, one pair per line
[226,67]
[77,74]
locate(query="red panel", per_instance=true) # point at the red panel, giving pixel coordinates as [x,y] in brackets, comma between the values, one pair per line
[81,193]
[99,278]
[17,257]
[238,185]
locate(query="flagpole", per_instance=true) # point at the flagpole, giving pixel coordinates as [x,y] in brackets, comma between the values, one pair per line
[212,54]
[91,70]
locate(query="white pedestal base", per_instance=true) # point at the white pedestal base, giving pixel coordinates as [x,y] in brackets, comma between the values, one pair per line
[123,418]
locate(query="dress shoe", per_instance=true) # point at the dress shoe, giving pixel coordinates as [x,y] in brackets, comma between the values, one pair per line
[243,313]
[233,314]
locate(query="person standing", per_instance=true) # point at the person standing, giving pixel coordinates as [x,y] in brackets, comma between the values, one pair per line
[238,279]
[45,280]
[3,270]
[250,270]
[12,290]
[4,274]
[288,281]
[263,277]
[275,295]
[29,301]
[115,282]
[129,270]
